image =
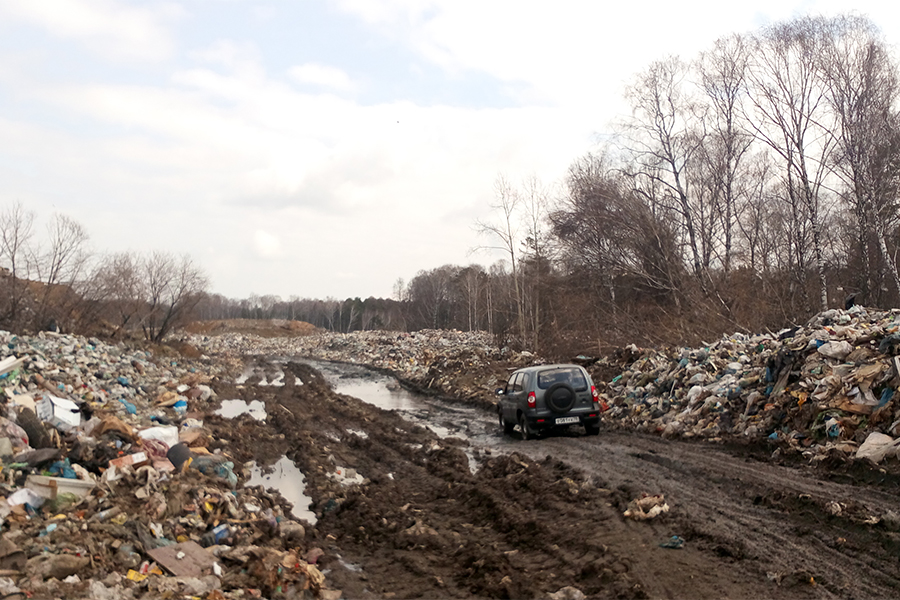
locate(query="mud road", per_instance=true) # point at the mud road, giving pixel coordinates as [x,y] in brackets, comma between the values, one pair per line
[431,500]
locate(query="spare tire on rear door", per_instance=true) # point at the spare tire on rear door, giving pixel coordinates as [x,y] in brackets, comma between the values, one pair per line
[560,397]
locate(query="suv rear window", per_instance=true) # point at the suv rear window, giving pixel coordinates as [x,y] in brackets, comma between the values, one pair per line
[569,375]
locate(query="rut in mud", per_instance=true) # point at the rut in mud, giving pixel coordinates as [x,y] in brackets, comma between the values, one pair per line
[536,517]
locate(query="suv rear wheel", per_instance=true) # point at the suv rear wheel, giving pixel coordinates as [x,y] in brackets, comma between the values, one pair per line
[527,432]
[508,427]
[592,429]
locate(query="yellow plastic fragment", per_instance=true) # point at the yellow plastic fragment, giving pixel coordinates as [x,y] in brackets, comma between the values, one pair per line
[135,576]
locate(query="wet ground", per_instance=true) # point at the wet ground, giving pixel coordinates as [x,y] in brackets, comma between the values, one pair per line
[424,498]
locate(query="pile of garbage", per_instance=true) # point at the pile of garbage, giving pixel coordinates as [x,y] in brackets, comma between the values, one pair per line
[109,489]
[827,387]
[436,361]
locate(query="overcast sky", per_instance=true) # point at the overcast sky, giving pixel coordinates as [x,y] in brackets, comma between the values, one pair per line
[322,148]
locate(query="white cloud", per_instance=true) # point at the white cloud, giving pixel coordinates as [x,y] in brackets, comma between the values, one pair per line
[116,30]
[242,58]
[322,75]
[266,244]
[572,52]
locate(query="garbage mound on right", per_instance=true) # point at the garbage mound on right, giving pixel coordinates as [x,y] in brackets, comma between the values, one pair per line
[826,388]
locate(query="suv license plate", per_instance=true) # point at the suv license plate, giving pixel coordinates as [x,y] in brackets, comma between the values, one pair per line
[565,420]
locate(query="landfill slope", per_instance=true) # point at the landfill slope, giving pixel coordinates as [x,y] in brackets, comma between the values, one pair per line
[118,481]
[826,390]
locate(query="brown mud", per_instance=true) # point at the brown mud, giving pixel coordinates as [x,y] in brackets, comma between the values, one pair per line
[537,517]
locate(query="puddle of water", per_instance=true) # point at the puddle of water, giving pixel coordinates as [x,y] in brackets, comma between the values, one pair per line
[277,380]
[374,391]
[473,462]
[233,408]
[290,482]
[244,376]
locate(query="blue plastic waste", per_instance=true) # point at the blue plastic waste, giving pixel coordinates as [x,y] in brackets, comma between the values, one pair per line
[63,468]
[675,543]
[216,466]
[129,407]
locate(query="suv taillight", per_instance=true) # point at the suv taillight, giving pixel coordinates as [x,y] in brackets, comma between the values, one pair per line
[532,400]
[595,394]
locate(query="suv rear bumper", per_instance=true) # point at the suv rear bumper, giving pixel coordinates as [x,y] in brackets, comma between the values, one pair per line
[550,421]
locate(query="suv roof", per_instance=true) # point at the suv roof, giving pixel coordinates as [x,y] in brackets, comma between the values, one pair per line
[550,366]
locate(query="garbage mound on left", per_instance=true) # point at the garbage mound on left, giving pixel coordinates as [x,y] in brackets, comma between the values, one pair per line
[109,489]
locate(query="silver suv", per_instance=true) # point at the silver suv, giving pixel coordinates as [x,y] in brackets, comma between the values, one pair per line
[541,398]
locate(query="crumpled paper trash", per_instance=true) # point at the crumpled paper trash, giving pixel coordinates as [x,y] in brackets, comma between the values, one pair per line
[646,507]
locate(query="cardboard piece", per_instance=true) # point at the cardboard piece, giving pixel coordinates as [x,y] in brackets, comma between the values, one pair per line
[194,561]
[59,412]
[49,487]
[138,459]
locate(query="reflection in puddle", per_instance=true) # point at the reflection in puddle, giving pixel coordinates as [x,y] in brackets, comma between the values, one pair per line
[234,408]
[440,431]
[377,393]
[290,482]
[244,376]
[277,380]
[265,379]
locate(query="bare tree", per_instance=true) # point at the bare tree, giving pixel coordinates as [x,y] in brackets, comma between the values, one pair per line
[663,141]
[506,202]
[607,229]
[173,287]
[119,286]
[15,232]
[534,203]
[59,268]
[863,88]
[788,102]
[721,73]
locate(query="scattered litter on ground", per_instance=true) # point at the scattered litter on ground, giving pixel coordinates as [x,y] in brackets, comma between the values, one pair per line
[646,507]
[113,487]
[673,543]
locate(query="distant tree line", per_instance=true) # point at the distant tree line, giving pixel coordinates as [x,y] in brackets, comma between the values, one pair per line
[54,282]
